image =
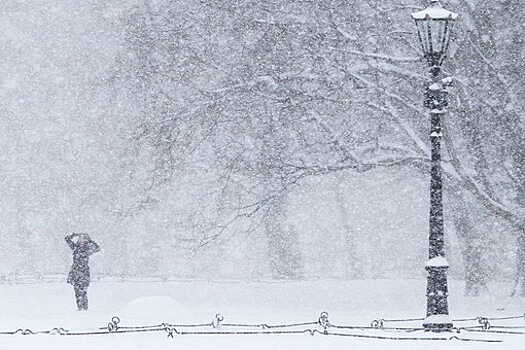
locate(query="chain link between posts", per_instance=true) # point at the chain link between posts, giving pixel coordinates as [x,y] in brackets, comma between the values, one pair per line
[322,327]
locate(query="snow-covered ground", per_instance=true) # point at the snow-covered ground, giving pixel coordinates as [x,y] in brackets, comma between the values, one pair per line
[43,306]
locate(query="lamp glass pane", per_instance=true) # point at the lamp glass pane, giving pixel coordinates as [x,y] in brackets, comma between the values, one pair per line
[422,28]
[438,36]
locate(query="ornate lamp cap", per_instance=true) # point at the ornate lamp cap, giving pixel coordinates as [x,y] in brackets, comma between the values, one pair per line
[434,11]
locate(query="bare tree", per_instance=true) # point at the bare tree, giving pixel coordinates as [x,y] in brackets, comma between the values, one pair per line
[269,93]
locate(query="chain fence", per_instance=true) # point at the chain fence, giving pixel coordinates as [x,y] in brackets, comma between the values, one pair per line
[377,329]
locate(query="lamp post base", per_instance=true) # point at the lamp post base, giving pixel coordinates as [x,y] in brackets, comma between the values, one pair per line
[438,323]
[437,319]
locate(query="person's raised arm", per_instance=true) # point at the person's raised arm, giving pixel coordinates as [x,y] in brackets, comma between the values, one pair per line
[69,240]
[93,247]
[96,247]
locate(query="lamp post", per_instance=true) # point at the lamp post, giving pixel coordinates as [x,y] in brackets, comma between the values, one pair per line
[434,25]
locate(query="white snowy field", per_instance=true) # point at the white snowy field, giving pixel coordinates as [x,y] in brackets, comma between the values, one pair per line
[43,306]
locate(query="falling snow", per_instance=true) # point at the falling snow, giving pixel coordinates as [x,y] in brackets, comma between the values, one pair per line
[253,144]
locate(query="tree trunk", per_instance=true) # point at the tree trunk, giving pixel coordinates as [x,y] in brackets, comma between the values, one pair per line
[349,259]
[472,249]
[283,243]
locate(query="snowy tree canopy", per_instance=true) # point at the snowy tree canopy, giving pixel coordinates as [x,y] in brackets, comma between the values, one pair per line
[255,138]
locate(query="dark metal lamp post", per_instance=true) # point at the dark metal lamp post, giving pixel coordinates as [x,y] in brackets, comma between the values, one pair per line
[434,25]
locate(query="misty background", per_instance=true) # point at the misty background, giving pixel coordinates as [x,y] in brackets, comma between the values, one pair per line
[255,139]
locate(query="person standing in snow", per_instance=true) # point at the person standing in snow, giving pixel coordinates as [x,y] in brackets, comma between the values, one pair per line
[79,275]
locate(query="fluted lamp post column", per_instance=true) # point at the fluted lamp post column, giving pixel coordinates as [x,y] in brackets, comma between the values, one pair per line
[434,25]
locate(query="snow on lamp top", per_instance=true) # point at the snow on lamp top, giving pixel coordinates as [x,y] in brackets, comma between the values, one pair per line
[434,11]
[434,26]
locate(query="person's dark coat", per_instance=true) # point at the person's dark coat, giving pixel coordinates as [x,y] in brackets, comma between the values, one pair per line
[79,275]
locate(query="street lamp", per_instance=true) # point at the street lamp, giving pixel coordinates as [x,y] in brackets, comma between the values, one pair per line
[434,26]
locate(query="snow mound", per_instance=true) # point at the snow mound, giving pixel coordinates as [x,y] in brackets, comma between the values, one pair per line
[156,309]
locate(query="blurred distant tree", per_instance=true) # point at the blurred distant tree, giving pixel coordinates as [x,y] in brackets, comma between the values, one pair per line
[486,129]
[271,88]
